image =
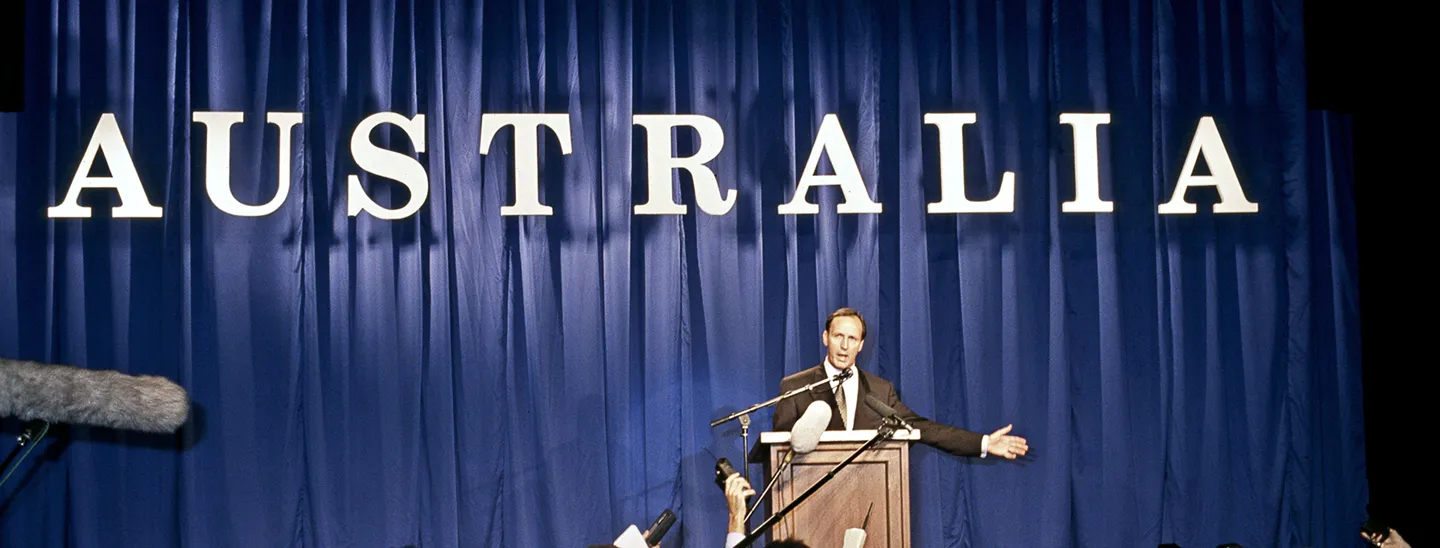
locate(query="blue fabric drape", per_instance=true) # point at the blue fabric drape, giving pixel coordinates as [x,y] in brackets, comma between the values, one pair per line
[459,378]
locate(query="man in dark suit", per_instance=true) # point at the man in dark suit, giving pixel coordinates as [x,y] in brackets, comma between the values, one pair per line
[843,338]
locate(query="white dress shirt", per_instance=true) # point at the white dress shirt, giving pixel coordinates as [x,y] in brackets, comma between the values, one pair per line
[851,386]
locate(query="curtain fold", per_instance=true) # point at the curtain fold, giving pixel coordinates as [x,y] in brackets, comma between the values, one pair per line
[460,377]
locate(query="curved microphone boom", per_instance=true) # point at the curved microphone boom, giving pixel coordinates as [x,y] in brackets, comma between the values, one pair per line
[804,437]
[78,396]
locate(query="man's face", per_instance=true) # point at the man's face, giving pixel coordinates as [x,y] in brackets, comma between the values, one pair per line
[843,341]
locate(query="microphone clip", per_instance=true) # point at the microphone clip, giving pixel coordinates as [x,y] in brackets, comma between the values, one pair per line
[894,421]
[900,422]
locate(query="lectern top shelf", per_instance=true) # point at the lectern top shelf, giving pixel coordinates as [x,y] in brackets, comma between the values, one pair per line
[861,436]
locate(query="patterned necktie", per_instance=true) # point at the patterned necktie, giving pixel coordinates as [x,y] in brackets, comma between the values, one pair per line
[840,401]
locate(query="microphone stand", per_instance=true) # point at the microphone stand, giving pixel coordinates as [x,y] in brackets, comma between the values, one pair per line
[886,431]
[777,399]
[31,433]
[744,414]
[745,446]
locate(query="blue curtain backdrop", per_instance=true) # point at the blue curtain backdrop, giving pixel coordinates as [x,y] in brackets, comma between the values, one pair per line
[459,378]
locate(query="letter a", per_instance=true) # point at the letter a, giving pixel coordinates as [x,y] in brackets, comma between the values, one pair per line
[1222,175]
[108,140]
[831,139]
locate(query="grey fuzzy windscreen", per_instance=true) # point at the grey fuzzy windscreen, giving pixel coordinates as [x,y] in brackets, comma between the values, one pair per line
[78,396]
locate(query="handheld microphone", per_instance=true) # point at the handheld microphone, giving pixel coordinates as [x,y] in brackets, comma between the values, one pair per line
[723,471]
[633,538]
[886,411]
[659,528]
[855,536]
[804,437]
[74,395]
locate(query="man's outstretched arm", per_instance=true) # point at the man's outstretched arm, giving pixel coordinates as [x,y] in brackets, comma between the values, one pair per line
[958,441]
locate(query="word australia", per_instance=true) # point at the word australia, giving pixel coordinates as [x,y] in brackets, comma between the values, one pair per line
[830,140]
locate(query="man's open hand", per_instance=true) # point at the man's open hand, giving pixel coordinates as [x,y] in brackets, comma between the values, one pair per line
[1005,445]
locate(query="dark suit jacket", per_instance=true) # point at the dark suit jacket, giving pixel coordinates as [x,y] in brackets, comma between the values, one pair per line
[952,440]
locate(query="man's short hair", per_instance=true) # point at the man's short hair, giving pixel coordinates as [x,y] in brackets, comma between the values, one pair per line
[847,311]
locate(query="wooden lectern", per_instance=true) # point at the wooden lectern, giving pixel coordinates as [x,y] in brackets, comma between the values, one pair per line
[880,476]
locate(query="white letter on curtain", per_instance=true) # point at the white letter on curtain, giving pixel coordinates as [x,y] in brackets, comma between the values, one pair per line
[217,160]
[952,170]
[830,139]
[107,140]
[1087,164]
[658,147]
[388,164]
[527,154]
[1222,175]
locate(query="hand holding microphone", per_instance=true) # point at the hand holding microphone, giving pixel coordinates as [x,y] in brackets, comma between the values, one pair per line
[737,491]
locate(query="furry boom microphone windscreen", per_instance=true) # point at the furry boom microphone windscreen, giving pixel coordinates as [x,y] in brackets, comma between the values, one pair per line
[78,396]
